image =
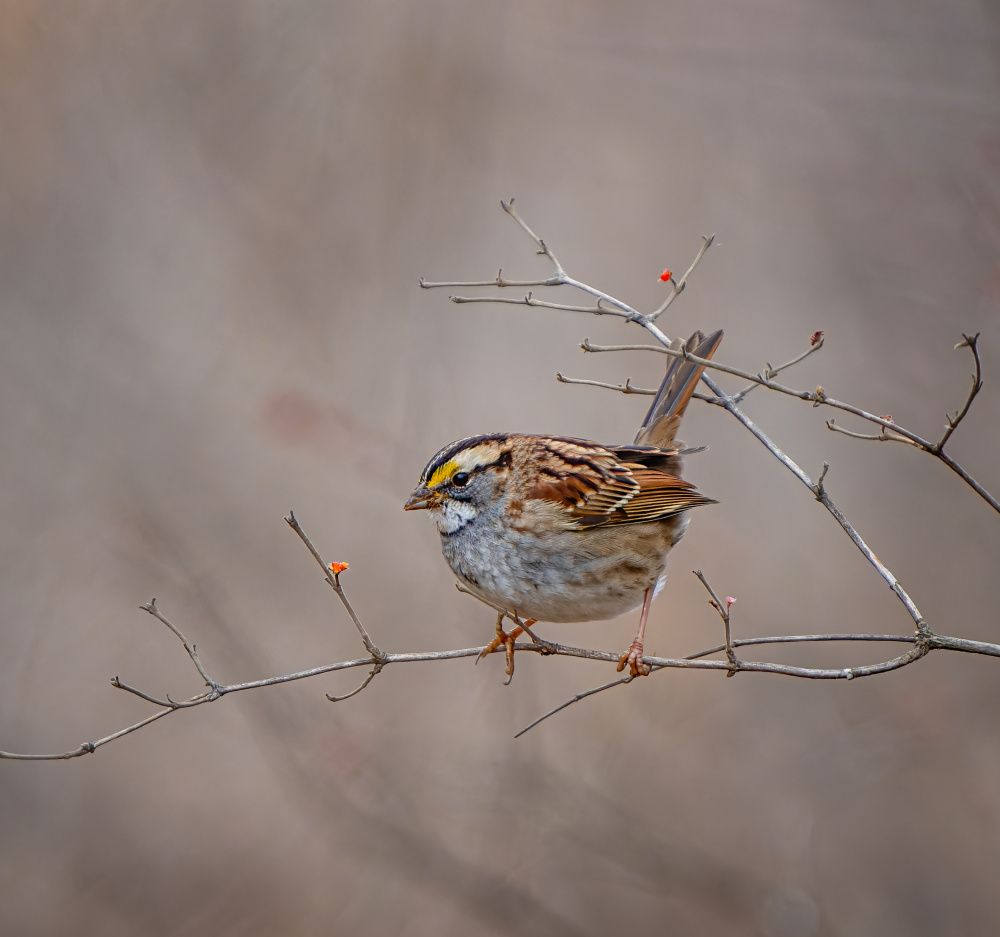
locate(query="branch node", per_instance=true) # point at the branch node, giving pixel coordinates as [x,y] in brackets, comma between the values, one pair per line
[724,614]
[377,669]
[819,489]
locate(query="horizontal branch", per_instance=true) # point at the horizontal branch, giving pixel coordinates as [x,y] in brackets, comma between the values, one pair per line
[549,648]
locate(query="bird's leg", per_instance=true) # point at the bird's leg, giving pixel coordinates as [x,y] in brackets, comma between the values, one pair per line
[633,656]
[506,640]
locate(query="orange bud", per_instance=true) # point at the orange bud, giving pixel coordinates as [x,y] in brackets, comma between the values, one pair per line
[338,568]
[666,276]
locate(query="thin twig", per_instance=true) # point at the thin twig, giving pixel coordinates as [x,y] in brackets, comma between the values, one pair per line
[625,388]
[815,345]
[804,638]
[334,580]
[529,300]
[883,436]
[560,278]
[576,699]
[119,684]
[542,247]
[723,611]
[375,670]
[588,345]
[766,374]
[706,243]
[190,648]
[498,282]
[972,343]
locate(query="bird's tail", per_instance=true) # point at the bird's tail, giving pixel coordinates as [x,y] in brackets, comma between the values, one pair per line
[660,427]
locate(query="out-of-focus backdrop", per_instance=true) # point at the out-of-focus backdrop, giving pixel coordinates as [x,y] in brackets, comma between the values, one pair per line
[213,218]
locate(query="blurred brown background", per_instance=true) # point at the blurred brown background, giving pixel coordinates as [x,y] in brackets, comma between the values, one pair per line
[213,217]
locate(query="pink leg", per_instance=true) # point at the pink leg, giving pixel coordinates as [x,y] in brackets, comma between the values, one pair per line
[633,656]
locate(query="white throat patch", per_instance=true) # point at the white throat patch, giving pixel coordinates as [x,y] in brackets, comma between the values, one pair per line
[453,516]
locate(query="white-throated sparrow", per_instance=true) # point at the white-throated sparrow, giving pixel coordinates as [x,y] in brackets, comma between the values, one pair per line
[558,529]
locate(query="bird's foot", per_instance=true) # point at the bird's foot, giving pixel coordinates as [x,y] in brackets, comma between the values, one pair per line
[505,639]
[632,659]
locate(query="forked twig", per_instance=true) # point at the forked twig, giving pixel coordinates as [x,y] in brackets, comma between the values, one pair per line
[333,578]
[371,676]
[724,612]
[678,286]
[972,343]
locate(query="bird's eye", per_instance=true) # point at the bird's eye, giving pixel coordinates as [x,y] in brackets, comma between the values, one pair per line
[460,479]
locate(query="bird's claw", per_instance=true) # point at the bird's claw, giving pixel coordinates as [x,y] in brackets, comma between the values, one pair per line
[632,659]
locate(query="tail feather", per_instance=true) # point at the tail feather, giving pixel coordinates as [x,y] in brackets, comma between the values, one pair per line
[664,417]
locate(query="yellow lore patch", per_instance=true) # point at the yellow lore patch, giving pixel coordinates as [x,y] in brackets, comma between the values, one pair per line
[442,473]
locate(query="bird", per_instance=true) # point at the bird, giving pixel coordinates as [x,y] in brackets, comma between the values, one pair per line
[559,529]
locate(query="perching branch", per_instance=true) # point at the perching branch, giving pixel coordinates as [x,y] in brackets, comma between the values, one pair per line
[922,640]
[922,645]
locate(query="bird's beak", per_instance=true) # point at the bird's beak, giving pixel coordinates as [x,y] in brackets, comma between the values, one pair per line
[422,499]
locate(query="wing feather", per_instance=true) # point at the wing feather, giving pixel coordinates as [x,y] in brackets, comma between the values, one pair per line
[595,487]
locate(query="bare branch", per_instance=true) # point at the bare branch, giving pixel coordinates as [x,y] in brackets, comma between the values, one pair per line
[922,641]
[922,645]
[815,345]
[818,397]
[377,669]
[716,603]
[119,684]
[625,388]
[529,300]
[806,638]
[333,578]
[190,648]
[706,243]
[757,380]
[560,279]
[972,343]
[542,247]
[883,436]
[89,747]
[628,678]
[499,281]
[588,345]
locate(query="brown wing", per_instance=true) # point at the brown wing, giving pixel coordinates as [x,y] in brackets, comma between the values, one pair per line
[595,487]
